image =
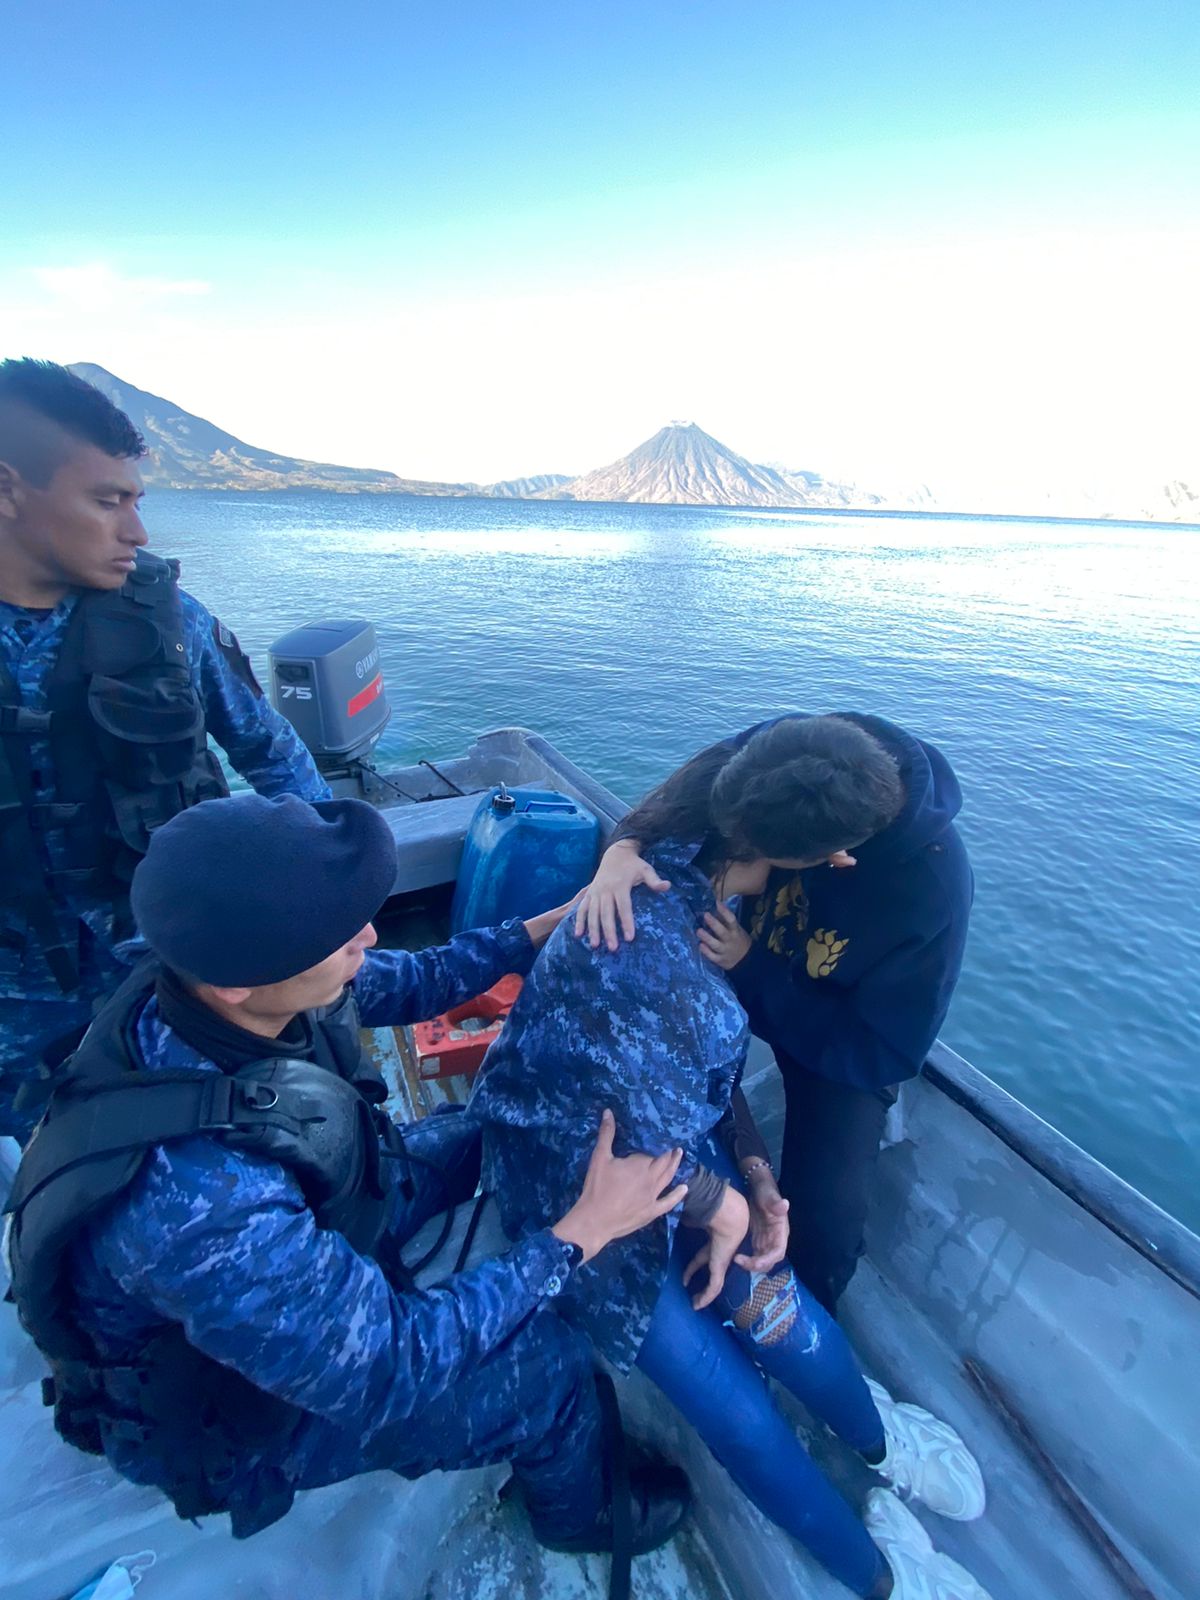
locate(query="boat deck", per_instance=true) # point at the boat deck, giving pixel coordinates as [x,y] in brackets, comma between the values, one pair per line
[1069,1555]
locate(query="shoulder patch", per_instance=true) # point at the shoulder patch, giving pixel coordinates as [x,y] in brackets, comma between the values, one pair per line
[237,658]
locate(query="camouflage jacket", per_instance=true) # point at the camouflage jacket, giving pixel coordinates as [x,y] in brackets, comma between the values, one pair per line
[261,745]
[223,1243]
[654,1032]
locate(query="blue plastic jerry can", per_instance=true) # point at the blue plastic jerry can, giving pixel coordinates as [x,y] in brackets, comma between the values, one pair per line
[526,851]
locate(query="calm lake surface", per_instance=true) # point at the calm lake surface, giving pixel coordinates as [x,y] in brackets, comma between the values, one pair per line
[1055,664]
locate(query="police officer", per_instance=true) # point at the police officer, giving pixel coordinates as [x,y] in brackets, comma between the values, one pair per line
[111,679]
[207,1223]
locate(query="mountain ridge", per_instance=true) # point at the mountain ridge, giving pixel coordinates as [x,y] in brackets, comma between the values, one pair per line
[683,465]
[189,452]
[679,465]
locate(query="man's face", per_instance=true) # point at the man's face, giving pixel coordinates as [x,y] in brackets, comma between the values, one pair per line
[83,529]
[320,985]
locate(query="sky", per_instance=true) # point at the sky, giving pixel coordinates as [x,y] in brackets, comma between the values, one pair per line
[895,241]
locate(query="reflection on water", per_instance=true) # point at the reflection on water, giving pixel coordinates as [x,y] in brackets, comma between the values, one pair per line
[1055,663]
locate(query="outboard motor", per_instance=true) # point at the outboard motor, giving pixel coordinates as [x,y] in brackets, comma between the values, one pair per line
[326,680]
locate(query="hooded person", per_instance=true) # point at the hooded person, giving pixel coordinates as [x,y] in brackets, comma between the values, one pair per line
[207,1224]
[846,964]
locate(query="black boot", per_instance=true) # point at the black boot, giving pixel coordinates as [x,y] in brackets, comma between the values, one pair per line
[659,1499]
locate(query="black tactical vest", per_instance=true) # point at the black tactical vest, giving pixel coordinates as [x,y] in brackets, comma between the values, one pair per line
[128,748]
[317,1118]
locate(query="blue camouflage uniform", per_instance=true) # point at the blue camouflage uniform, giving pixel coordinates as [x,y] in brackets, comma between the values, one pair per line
[222,1242]
[261,745]
[655,1033]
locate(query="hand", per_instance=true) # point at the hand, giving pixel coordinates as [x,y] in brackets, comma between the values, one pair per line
[620,1194]
[726,1230]
[722,938]
[541,927]
[609,895]
[769,1225]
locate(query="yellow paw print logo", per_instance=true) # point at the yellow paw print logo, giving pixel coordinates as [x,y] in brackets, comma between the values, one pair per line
[781,918]
[824,952]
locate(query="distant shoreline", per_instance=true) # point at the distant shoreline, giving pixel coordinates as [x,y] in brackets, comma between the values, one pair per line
[762,512]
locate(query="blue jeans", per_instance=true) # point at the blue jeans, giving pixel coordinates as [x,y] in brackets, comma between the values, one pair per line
[710,1364]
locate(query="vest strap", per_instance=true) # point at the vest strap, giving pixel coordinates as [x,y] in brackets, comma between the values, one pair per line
[119,1117]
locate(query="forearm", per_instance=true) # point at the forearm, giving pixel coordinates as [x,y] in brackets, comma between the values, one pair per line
[261,744]
[273,762]
[705,1192]
[401,986]
[739,1135]
[333,1337]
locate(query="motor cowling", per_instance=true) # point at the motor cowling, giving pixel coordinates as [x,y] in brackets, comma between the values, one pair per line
[326,680]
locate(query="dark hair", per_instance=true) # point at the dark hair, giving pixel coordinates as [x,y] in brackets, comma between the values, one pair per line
[680,808]
[798,789]
[40,389]
[805,787]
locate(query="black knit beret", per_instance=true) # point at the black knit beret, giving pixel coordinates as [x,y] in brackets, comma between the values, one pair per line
[248,891]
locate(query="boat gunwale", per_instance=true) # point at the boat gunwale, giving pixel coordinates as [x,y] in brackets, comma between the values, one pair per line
[1156,1235]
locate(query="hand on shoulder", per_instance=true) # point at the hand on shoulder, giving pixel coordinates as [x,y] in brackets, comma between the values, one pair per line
[607,902]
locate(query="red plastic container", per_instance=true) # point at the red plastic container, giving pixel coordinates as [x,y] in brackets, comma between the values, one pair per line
[454,1044]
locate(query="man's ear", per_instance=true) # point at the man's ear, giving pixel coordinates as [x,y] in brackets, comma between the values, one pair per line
[229,997]
[10,492]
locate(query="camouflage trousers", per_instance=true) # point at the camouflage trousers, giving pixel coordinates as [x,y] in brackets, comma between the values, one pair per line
[532,1401]
[29,1031]
[33,1025]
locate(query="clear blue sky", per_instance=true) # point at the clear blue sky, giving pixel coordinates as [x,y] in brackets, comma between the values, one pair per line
[333,156]
[307,122]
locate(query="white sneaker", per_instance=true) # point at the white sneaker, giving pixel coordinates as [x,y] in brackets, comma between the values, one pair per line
[927,1460]
[919,1571]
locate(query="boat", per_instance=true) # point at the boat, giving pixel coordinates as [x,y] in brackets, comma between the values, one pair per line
[1011,1284]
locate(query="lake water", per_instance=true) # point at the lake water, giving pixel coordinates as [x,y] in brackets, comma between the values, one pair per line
[1055,664]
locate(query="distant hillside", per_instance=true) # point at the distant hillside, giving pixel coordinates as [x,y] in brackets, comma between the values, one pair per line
[1176,501]
[524,488]
[186,452]
[1182,498]
[683,465]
